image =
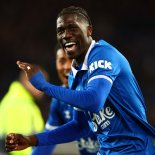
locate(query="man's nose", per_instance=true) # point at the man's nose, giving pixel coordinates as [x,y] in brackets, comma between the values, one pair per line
[67,34]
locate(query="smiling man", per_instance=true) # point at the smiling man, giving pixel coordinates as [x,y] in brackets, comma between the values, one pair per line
[102,88]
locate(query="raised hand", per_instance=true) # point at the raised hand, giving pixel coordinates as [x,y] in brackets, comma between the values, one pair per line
[28,68]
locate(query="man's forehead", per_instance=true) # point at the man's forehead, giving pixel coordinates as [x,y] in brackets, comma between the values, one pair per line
[69,18]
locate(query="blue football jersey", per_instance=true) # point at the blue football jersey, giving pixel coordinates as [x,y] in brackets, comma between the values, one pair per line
[121,125]
[61,113]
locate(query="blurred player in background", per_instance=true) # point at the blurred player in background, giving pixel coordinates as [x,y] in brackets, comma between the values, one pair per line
[61,113]
[19,111]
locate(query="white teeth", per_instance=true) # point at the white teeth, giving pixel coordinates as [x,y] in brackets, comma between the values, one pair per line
[69,44]
[66,74]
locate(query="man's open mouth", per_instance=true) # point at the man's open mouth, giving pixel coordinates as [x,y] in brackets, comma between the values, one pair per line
[70,46]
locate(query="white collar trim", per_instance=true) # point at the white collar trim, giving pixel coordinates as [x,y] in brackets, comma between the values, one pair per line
[84,65]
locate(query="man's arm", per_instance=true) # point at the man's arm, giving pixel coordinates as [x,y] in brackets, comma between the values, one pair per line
[40,150]
[93,98]
[52,123]
[69,132]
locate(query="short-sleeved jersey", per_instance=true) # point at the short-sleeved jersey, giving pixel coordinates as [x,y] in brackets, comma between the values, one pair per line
[61,113]
[121,126]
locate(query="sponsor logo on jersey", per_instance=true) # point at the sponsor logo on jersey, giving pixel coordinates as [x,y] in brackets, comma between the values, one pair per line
[89,144]
[102,120]
[67,114]
[100,64]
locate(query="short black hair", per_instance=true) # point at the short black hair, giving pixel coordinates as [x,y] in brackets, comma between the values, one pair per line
[75,10]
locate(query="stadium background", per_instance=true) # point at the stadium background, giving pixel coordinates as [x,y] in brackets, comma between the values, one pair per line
[28,32]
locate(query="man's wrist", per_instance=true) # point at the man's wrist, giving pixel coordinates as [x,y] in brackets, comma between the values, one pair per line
[32,140]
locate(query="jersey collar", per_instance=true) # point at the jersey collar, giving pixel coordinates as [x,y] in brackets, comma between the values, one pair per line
[84,65]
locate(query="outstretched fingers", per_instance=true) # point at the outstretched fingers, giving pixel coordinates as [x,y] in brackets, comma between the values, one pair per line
[24,66]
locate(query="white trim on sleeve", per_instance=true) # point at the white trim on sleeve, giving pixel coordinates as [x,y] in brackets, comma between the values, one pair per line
[100,76]
[75,108]
[50,127]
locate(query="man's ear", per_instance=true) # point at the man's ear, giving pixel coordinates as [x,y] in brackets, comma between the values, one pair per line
[89,30]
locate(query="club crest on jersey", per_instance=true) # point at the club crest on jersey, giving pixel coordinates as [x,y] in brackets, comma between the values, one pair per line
[100,64]
[67,114]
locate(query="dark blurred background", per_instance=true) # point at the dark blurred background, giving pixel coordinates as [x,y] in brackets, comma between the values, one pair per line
[28,33]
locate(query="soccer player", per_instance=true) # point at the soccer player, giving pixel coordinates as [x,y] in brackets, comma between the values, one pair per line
[102,87]
[61,113]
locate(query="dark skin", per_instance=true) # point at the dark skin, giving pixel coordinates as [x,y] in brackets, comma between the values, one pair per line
[19,142]
[72,28]
[63,66]
[74,35]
